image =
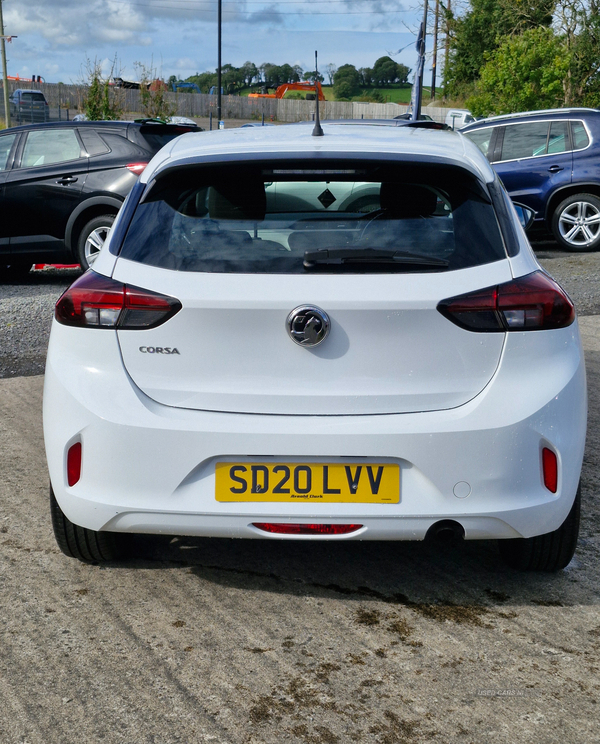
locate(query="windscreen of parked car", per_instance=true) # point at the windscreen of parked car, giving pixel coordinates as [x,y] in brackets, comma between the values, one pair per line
[297,218]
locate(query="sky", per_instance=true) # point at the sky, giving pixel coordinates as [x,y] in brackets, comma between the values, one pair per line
[57,38]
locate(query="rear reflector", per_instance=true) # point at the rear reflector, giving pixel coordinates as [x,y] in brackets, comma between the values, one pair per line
[550,469]
[306,529]
[95,301]
[74,464]
[136,168]
[534,302]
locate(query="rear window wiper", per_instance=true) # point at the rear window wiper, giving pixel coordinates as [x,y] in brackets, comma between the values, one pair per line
[369,255]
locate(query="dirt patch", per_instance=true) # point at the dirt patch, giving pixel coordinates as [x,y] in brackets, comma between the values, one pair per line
[448,612]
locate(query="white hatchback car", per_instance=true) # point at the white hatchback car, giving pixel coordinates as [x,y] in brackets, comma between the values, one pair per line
[258,354]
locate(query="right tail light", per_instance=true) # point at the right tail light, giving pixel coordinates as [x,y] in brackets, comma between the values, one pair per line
[534,302]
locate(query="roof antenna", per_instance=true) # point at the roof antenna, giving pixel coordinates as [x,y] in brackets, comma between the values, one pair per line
[318,130]
[417,91]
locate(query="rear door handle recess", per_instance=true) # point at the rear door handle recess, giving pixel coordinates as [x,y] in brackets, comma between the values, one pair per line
[555,168]
[66,180]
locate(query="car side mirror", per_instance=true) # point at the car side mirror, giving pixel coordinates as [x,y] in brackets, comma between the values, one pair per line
[525,215]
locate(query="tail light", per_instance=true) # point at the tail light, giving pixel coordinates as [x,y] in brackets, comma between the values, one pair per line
[530,303]
[550,469]
[136,168]
[95,301]
[286,528]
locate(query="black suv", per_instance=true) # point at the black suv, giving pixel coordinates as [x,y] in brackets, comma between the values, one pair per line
[548,160]
[62,184]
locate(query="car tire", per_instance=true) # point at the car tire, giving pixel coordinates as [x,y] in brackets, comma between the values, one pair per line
[550,552]
[79,542]
[91,239]
[576,223]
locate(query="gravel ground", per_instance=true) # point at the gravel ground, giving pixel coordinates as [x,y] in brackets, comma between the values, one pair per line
[26,307]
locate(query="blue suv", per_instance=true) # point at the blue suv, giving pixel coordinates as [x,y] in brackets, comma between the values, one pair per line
[549,161]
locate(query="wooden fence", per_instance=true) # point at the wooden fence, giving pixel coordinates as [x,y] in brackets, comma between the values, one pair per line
[194,105]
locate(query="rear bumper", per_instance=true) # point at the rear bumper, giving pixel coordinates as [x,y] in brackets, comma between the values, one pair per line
[150,468]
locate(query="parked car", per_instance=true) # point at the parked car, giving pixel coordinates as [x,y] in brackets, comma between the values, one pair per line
[236,367]
[28,106]
[458,118]
[61,185]
[408,116]
[548,160]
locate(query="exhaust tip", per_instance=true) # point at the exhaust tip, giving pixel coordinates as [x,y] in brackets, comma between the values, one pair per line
[445,531]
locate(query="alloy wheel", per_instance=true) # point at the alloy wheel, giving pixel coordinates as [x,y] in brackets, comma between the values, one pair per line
[579,223]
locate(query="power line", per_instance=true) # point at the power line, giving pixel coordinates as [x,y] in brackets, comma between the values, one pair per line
[274,12]
[283,2]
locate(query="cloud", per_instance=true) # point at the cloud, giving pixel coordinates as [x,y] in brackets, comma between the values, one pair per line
[269,15]
[180,36]
[75,23]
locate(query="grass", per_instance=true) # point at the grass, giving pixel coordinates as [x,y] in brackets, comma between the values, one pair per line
[399,93]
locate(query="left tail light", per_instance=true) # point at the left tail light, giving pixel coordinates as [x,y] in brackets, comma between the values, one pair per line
[95,301]
[534,302]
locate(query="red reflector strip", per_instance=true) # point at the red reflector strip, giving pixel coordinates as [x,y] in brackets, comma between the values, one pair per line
[74,464]
[550,469]
[306,529]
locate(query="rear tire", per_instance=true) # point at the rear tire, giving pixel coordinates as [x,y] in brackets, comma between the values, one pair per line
[576,223]
[92,239]
[86,545]
[550,552]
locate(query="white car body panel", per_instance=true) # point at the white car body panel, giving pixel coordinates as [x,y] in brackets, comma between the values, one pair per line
[150,468]
[235,353]
[465,415]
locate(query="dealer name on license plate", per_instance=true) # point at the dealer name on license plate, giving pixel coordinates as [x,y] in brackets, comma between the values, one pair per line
[372,483]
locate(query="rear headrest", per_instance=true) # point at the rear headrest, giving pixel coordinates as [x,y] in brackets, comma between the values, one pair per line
[244,200]
[407,200]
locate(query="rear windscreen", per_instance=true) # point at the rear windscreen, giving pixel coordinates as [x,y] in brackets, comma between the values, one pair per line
[32,97]
[157,136]
[358,217]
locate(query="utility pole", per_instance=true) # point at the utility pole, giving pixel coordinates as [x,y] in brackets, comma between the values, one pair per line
[435,43]
[417,91]
[447,43]
[218,64]
[4,77]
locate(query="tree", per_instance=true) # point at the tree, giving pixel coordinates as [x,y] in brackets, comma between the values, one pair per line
[101,102]
[481,30]
[385,71]
[366,76]
[346,82]
[232,78]
[153,93]
[204,80]
[526,72]
[311,75]
[330,69]
[403,73]
[249,72]
[579,24]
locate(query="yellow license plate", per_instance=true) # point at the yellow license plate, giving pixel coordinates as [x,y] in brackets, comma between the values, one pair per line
[372,483]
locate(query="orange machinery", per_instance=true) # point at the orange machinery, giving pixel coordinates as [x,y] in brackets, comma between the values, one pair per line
[283,89]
